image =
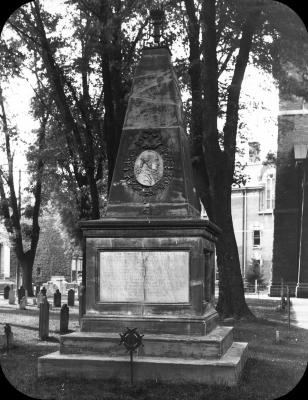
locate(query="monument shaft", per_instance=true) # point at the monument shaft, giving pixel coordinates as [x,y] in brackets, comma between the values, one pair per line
[151,259]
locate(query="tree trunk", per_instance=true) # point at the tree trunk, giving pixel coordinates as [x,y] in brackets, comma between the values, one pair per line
[231,301]
[26,267]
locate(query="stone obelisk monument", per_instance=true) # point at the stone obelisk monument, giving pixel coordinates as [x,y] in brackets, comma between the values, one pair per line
[150,261]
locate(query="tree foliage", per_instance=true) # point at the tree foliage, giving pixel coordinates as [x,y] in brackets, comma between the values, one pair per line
[83,61]
[224,37]
[23,228]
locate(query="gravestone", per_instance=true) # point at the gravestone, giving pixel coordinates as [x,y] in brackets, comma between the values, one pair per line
[64,319]
[6,292]
[57,299]
[21,293]
[44,319]
[7,339]
[12,296]
[71,297]
[150,261]
[23,303]
[81,301]
[44,291]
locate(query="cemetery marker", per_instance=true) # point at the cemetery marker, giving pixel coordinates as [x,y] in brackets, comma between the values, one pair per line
[131,339]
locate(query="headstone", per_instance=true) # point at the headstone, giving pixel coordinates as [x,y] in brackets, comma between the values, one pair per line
[44,291]
[64,318]
[23,303]
[6,340]
[71,297]
[6,291]
[26,296]
[44,319]
[21,293]
[82,301]
[12,296]
[34,301]
[57,299]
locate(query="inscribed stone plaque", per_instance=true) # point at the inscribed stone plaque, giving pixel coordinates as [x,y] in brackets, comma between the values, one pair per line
[144,276]
[121,276]
[167,277]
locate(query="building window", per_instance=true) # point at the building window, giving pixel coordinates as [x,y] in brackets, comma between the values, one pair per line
[261,200]
[256,238]
[267,195]
[38,271]
[270,192]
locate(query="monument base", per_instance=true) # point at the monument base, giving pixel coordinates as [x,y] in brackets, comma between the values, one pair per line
[163,324]
[156,276]
[211,359]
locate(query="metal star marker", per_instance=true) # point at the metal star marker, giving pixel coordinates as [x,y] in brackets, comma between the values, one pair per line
[131,339]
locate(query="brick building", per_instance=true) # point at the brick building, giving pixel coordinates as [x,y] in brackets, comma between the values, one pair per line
[54,254]
[290,252]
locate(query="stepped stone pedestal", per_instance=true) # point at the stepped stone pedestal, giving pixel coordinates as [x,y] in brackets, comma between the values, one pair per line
[150,262]
[213,358]
[165,269]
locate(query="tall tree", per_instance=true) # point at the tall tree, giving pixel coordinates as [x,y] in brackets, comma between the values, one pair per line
[23,236]
[224,36]
[89,87]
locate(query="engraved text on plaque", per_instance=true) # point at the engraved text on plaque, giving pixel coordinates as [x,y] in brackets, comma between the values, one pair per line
[144,276]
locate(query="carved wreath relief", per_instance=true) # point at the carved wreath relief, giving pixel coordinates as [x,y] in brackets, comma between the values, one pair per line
[148,167]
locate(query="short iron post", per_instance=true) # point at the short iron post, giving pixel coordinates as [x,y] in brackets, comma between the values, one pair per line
[64,319]
[8,332]
[131,367]
[44,319]
[288,303]
[282,295]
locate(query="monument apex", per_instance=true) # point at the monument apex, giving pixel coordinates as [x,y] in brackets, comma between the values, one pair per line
[153,174]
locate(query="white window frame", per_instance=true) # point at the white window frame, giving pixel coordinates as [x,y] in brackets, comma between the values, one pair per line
[269,192]
[254,237]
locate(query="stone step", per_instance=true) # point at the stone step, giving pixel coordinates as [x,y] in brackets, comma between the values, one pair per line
[160,324]
[224,370]
[214,344]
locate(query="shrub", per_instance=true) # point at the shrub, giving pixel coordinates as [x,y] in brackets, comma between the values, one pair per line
[254,273]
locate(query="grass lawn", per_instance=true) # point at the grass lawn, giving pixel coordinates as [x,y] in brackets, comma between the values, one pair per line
[271,371]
